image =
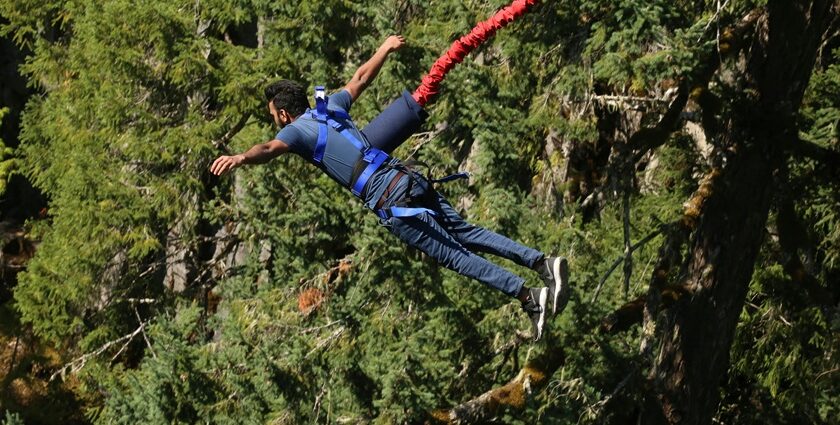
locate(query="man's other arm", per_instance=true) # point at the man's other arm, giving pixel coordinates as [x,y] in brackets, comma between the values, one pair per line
[258,154]
[367,72]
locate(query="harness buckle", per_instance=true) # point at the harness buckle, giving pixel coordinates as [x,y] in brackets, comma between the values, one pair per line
[371,154]
[321,100]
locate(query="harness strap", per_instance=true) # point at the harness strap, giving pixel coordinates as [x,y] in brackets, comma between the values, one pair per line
[386,213]
[449,178]
[413,163]
[372,156]
[388,190]
[321,115]
[345,131]
[318,155]
[325,117]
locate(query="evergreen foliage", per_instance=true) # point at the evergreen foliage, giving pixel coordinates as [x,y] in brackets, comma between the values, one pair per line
[7,160]
[12,419]
[272,296]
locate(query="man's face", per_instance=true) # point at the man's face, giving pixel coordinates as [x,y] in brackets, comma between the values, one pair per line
[275,116]
[281,117]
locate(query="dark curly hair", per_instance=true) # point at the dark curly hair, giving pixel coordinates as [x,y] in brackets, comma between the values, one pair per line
[288,95]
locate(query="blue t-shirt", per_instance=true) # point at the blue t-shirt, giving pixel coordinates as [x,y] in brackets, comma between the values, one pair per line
[340,155]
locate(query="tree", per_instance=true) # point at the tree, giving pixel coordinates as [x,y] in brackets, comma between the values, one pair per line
[757,133]
[688,145]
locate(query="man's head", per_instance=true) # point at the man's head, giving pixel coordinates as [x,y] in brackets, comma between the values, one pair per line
[286,101]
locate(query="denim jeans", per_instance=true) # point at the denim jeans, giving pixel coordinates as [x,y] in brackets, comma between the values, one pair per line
[452,241]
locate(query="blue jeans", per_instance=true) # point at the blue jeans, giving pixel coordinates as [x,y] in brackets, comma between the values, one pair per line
[452,241]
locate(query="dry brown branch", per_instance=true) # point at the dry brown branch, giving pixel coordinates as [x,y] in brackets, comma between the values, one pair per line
[316,290]
[323,342]
[426,137]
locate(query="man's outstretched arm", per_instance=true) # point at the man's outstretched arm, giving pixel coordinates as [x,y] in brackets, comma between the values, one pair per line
[367,72]
[258,154]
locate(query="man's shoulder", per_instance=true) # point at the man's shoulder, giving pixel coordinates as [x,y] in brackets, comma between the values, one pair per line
[303,124]
[341,99]
[293,133]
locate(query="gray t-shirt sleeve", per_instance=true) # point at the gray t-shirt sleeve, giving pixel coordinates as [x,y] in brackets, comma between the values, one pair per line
[342,99]
[292,137]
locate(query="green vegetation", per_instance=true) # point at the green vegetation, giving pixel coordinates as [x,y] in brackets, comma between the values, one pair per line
[7,162]
[272,296]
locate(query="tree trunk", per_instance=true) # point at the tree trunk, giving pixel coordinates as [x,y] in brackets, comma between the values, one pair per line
[695,335]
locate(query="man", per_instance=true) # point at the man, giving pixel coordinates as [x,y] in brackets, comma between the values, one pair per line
[403,198]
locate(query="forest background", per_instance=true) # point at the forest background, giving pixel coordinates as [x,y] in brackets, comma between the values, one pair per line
[682,154]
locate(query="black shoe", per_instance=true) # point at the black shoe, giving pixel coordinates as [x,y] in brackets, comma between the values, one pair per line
[555,273]
[536,307]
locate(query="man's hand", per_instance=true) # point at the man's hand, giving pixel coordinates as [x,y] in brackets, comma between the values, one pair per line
[367,72]
[393,43]
[258,154]
[225,163]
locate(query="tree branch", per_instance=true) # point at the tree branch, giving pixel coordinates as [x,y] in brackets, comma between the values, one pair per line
[601,404]
[618,261]
[631,313]
[505,350]
[77,364]
[145,337]
[649,138]
[221,143]
[628,251]
[514,394]
[825,158]
[792,236]
[311,296]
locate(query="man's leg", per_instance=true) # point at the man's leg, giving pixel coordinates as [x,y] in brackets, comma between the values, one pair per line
[479,239]
[424,233]
[553,270]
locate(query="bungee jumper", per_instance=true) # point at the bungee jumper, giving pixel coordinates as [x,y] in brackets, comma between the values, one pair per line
[405,200]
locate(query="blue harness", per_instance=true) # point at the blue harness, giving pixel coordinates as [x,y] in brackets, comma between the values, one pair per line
[373,157]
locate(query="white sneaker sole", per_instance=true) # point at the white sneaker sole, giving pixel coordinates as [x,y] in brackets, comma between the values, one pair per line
[541,321]
[560,273]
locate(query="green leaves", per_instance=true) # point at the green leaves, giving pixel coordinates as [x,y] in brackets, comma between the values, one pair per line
[137,99]
[786,347]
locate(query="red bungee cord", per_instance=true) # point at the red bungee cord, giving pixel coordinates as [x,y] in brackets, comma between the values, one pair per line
[462,47]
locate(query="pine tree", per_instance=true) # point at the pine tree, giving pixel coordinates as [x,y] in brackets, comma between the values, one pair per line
[679,153]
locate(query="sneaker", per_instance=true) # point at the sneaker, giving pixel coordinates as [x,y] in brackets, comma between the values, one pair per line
[555,273]
[535,307]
